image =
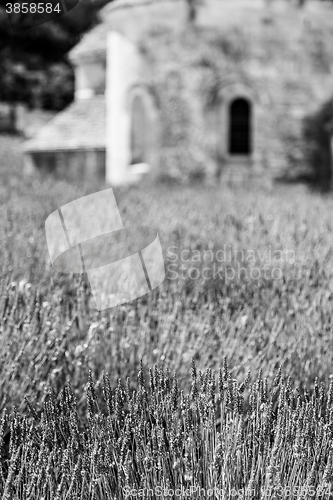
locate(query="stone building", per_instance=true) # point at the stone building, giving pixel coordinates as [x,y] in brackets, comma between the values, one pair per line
[247,73]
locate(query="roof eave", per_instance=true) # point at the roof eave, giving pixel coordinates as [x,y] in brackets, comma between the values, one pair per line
[87,56]
[34,150]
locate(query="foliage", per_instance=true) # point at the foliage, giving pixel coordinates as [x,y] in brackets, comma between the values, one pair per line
[30,58]
[181,157]
[317,134]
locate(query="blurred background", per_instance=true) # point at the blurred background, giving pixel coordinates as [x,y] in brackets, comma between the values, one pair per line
[50,329]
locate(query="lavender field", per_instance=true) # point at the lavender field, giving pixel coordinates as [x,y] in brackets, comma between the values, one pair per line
[221,378]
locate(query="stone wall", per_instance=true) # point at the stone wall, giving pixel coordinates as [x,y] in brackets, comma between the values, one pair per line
[90,78]
[12,117]
[286,64]
[82,166]
[125,82]
[279,58]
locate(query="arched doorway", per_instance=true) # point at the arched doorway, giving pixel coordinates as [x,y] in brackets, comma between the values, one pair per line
[240,127]
[138,131]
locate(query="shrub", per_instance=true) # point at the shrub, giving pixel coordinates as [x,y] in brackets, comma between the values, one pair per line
[317,143]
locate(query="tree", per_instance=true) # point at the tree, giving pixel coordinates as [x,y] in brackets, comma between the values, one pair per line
[30,59]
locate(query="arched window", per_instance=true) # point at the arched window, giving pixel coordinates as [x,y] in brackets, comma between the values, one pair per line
[138,131]
[240,127]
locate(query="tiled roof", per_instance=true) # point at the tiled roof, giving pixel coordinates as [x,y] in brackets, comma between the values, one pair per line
[80,126]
